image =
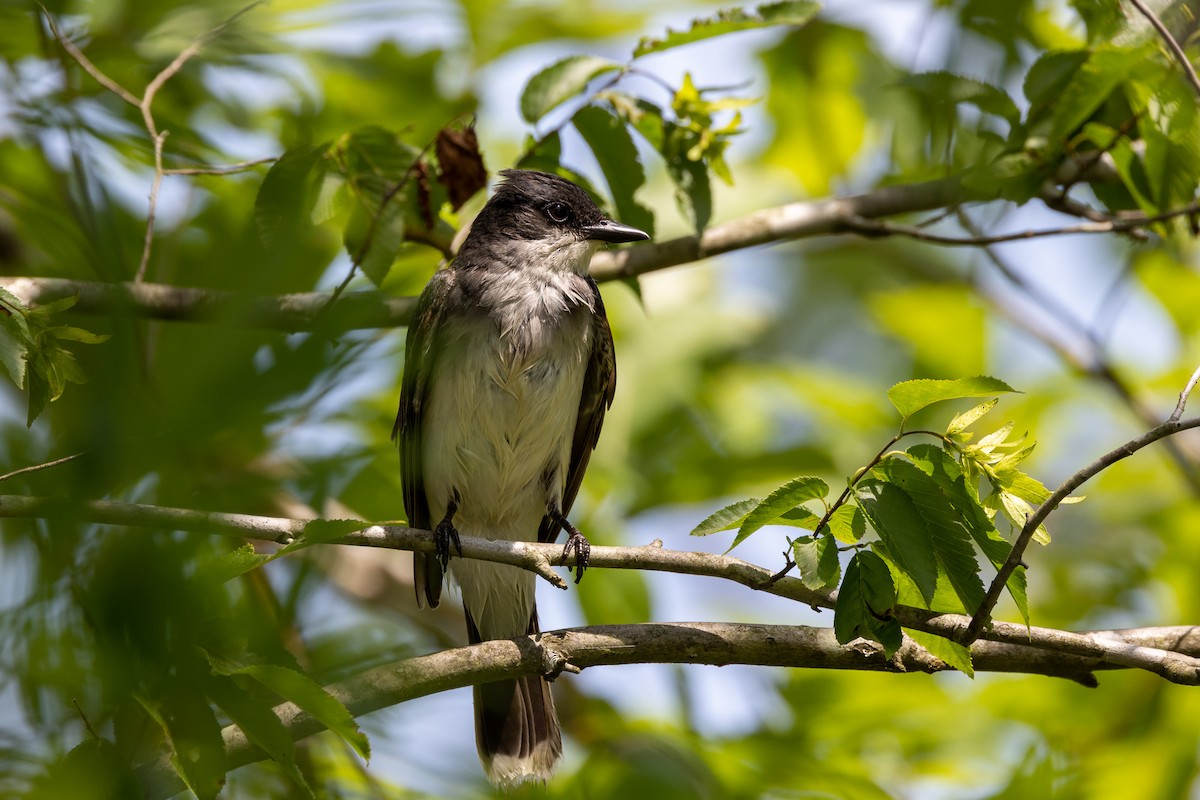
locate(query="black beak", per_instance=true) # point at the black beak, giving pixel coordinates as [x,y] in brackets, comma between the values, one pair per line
[607,230]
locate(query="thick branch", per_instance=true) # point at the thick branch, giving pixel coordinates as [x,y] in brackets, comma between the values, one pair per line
[370,309]
[712,643]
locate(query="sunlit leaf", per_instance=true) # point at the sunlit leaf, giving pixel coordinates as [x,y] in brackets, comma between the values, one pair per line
[795,12]
[559,82]
[785,498]
[953,653]
[910,397]
[727,518]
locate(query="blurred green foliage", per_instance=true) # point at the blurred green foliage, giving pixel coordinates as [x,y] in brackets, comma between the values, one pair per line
[121,647]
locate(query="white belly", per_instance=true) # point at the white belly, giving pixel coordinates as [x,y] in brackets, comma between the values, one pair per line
[498,432]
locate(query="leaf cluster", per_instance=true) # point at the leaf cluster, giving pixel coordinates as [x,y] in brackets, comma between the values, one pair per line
[916,522]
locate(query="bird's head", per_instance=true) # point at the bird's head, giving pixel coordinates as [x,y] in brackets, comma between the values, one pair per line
[539,218]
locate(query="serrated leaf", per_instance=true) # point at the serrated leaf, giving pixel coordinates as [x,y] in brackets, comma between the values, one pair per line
[969,417]
[14,350]
[262,727]
[785,498]
[731,21]
[847,524]
[613,147]
[373,236]
[284,203]
[1019,512]
[946,530]
[952,653]
[234,563]
[818,561]
[946,87]
[191,728]
[909,397]
[865,603]
[560,82]
[894,517]
[993,439]
[308,695]
[727,518]
[799,517]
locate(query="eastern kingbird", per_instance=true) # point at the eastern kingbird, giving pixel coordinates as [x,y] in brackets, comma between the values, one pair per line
[508,372]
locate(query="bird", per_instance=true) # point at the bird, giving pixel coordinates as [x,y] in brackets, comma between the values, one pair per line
[509,369]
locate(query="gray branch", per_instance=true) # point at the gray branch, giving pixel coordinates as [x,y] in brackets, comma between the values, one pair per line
[553,652]
[1175,666]
[372,309]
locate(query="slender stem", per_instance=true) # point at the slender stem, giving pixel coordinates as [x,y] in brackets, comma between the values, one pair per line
[1173,45]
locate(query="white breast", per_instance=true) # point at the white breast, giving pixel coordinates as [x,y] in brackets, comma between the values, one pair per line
[504,397]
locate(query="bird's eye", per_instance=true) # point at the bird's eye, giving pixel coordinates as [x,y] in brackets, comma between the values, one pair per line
[559,212]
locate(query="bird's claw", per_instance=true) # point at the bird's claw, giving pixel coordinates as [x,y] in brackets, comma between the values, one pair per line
[445,535]
[578,543]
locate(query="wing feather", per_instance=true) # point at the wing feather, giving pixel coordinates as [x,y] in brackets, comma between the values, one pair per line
[419,355]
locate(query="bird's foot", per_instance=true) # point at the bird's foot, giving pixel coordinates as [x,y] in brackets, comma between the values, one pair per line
[582,548]
[445,535]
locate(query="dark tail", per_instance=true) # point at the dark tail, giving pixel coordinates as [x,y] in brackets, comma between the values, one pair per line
[516,726]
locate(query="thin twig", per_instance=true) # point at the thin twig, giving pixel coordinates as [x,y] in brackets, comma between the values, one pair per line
[1183,396]
[229,169]
[1174,46]
[983,614]
[1114,225]
[88,67]
[38,467]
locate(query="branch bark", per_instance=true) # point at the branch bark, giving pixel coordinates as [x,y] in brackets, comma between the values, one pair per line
[371,309]
[539,558]
[713,643]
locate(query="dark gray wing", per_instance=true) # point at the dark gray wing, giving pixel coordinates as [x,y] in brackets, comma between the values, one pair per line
[419,355]
[599,386]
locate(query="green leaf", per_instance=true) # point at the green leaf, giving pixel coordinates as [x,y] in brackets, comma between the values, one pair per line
[946,529]
[953,653]
[374,234]
[726,21]
[894,517]
[798,518]
[865,603]
[258,721]
[234,563]
[944,470]
[785,498]
[1048,76]
[818,561]
[909,397]
[283,207]
[191,728]
[848,524]
[67,333]
[946,87]
[727,518]
[308,695]
[613,147]
[95,768]
[560,82]
[969,417]
[14,348]
[693,189]
[1107,66]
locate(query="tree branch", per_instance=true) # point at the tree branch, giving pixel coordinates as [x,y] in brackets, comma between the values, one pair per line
[553,652]
[540,557]
[370,309]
